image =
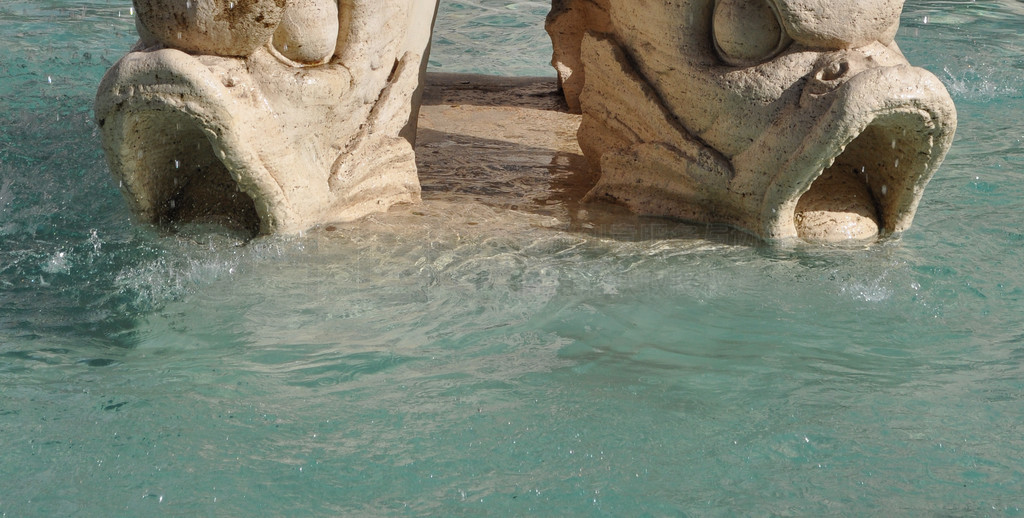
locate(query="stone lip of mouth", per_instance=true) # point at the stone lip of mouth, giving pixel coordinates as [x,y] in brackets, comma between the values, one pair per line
[283,139]
[175,142]
[861,171]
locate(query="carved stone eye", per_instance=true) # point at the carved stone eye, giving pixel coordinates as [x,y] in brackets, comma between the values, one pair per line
[308,33]
[747,32]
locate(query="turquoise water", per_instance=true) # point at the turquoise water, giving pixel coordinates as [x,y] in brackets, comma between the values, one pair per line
[484,361]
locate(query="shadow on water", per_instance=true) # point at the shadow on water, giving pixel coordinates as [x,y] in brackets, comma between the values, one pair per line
[64,231]
[75,268]
[77,273]
[539,93]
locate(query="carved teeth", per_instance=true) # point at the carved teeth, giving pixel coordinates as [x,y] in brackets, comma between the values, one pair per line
[868,188]
[838,206]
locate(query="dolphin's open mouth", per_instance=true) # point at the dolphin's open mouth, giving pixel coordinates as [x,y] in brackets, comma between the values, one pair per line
[253,144]
[188,183]
[861,170]
[875,181]
[171,145]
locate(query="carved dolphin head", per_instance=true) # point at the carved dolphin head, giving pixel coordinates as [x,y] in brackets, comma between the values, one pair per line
[789,118]
[275,115]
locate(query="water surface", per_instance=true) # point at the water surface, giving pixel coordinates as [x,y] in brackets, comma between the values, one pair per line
[465,358]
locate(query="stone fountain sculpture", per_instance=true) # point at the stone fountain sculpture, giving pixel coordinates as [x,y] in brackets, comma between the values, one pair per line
[270,115]
[788,118]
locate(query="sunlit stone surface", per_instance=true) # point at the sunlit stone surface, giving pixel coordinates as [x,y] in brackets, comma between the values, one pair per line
[269,115]
[789,118]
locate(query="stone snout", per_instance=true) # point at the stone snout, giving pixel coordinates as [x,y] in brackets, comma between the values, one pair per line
[267,115]
[874,130]
[834,69]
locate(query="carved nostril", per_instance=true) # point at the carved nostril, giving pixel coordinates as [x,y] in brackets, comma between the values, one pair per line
[830,75]
[834,71]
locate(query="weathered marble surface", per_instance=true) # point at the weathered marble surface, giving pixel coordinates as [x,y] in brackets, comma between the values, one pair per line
[788,118]
[271,115]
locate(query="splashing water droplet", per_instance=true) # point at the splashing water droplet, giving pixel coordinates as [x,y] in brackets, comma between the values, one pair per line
[897,164]
[94,239]
[885,189]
